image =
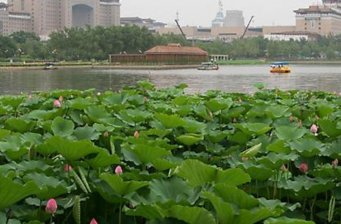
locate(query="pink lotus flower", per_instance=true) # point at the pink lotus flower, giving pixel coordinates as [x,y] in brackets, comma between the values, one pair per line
[51,206]
[335,163]
[314,129]
[303,167]
[136,134]
[67,168]
[93,221]
[57,103]
[118,170]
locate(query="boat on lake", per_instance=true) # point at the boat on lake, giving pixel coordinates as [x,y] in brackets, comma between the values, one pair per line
[280,67]
[50,66]
[208,66]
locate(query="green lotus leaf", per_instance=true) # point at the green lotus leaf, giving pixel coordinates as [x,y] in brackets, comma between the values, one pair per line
[144,154]
[276,160]
[14,148]
[224,211]
[136,100]
[216,136]
[170,121]
[4,133]
[134,116]
[12,192]
[327,171]
[114,99]
[79,103]
[290,133]
[253,128]
[307,147]
[86,133]
[303,186]
[193,126]
[71,150]
[233,112]
[329,127]
[62,127]
[151,212]
[254,215]
[190,139]
[277,111]
[3,217]
[163,164]
[97,113]
[286,220]
[43,114]
[50,187]
[103,159]
[324,109]
[251,152]
[156,132]
[121,187]
[202,112]
[333,149]
[174,189]
[5,110]
[198,173]
[235,196]
[191,215]
[239,137]
[278,146]
[13,101]
[19,124]
[215,105]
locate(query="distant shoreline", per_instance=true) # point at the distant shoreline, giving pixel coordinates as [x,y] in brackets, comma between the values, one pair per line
[35,66]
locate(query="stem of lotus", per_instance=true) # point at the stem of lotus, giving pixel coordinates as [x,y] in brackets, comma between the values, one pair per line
[312,209]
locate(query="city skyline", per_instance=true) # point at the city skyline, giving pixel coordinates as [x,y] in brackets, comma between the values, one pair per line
[266,12]
[274,13]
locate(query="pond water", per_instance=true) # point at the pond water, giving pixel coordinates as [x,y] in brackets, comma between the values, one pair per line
[227,78]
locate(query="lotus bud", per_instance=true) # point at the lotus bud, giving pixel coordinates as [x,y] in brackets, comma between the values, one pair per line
[145,99]
[300,123]
[30,97]
[93,221]
[210,114]
[67,168]
[335,163]
[291,119]
[303,167]
[57,103]
[118,170]
[61,99]
[106,134]
[98,94]
[136,134]
[284,168]
[314,129]
[234,120]
[317,117]
[51,206]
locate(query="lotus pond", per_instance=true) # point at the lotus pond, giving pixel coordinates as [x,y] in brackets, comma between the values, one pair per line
[147,155]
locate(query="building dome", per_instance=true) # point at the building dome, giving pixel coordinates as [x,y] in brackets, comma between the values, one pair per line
[219,19]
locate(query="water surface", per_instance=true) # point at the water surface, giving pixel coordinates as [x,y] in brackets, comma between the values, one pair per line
[227,78]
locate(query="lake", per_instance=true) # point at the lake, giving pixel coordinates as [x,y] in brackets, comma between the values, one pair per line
[227,78]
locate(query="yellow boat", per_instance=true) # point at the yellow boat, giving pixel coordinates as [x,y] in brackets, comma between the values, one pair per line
[280,67]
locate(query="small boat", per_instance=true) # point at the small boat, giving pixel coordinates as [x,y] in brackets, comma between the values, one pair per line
[208,66]
[280,67]
[49,66]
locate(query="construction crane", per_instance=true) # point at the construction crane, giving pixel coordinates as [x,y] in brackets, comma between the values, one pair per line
[247,27]
[182,32]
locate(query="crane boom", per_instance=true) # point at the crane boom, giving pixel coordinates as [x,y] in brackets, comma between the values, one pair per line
[247,27]
[182,32]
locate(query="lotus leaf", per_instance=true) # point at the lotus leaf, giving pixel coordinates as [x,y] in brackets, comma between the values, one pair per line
[290,133]
[71,150]
[103,159]
[286,220]
[12,192]
[251,152]
[86,132]
[19,124]
[215,105]
[62,127]
[191,215]
[151,212]
[329,127]
[190,139]
[121,187]
[307,147]
[277,111]
[170,121]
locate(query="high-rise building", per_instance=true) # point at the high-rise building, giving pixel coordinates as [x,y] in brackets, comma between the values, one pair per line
[234,18]
[323,20]
[46,16]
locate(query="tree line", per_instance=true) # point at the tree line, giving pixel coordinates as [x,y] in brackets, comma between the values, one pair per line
[97,43]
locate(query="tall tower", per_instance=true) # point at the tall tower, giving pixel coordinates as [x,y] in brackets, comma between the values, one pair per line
[219,19]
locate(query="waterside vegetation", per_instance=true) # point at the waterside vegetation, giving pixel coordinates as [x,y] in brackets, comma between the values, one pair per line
[147,155]
[97,43]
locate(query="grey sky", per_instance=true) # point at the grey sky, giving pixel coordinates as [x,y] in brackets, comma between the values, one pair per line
[202,12]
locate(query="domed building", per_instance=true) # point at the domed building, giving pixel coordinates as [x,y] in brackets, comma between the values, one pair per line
[220,18]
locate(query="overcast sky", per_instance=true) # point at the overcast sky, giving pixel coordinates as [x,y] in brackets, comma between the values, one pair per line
[202,12]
